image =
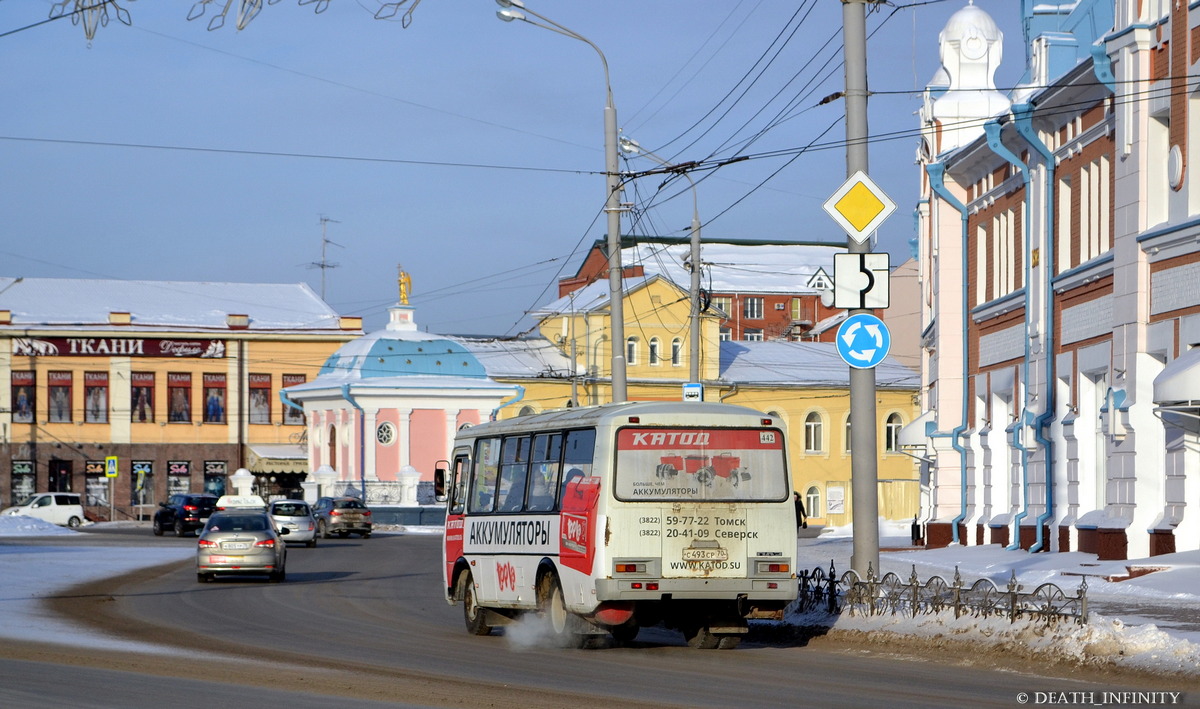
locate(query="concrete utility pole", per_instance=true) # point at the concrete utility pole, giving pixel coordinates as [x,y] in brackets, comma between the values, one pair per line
[864,446]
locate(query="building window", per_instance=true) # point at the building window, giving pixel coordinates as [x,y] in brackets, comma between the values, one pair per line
[676,352]
[812,502]
[260,398]
[215,472]
[848,434]
[23,397]
[59,390]
[141,489]
[23,481]
[95,397]
[141,397]
[891,433]
[753,334]
[179,477]
[179,397]
[214,398]
[813,442]
[631,350]
[654,352]
[293,416]
[723,303]
[725,335]
[752,308]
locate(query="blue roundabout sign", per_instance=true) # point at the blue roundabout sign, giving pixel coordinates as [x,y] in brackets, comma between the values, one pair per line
[863,341]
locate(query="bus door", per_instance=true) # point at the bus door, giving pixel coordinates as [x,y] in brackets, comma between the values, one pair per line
[457,492]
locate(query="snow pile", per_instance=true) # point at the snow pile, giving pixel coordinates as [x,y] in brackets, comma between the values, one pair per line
[22,526]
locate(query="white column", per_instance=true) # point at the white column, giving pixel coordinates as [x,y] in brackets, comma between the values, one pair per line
[451,430]
[404,436]
[368,440]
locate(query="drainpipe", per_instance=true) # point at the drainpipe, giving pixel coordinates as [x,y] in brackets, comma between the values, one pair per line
[1023,113]
[362,440]
[937,182]
[288,402]
[520,395]
[992,130]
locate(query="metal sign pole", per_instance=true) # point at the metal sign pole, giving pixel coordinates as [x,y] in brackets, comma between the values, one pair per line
[864,471]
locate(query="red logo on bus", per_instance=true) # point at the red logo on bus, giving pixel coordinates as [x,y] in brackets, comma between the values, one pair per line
[506,575]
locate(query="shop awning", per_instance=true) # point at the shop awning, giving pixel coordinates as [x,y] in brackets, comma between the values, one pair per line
[1180,381]
[276,458]
[914,433]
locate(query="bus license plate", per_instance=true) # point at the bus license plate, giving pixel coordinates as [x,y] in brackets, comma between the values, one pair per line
[705,555]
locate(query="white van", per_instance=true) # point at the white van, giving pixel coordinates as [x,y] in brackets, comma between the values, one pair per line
[61,508]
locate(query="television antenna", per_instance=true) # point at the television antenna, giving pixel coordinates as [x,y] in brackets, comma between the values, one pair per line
[325,264]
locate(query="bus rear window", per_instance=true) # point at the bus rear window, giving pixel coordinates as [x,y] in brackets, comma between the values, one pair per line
[701,464]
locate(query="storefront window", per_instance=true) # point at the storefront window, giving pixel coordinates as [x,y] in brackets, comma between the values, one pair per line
[142,397]
[179,477]
[214,476]
[23,481]
[23,401]
[95,397]
[59,386]
[142,485]
[292,417]
[260,398]
[214,398]
[179,397]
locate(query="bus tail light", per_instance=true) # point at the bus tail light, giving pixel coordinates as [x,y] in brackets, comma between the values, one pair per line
[648,586]
[768,567]
[631,568]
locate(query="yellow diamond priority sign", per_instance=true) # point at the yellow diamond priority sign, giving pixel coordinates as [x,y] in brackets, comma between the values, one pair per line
[859,206]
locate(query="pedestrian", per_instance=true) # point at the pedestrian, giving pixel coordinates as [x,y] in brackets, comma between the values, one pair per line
[801,513]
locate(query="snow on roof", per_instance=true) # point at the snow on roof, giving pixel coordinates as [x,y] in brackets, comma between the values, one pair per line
[593,296]
[805,364]
[86,303]
[739,268]
[519,358]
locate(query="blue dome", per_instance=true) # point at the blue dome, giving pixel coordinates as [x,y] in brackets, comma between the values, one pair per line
[385,354]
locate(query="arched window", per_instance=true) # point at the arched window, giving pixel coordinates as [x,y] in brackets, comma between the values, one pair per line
[676,352]
[631,350]
[813,441]
[654,352]
[812,502]
[891,433]
[527,411]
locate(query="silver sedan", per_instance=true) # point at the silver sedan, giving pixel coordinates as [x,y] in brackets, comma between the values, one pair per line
[296,517]
[241,542]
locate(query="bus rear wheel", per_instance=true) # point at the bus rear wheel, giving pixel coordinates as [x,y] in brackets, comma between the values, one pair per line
[473,615]
[700,637]
[563,625]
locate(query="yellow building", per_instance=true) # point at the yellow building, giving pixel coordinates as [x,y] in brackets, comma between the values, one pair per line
[178,381]
[804,383]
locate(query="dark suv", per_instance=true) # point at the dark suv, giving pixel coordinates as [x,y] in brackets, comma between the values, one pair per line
[184,513]
[341,516]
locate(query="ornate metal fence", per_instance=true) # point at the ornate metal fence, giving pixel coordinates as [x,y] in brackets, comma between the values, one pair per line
[825,590]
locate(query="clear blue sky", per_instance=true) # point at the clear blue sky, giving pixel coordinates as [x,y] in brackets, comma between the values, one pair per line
[465,149]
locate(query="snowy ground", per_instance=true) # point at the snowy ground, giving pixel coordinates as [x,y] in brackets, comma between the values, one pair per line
[1149,622]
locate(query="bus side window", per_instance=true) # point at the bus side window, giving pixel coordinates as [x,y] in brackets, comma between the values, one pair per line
[484,477]
[578,454]
[513,471]
[543,479]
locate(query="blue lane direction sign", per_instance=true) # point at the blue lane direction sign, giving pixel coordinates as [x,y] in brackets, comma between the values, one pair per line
[863,341]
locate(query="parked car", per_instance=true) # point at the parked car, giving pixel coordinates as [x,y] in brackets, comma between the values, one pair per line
[241,542]
[296,517]
[341,516]
[183,513]
[61,508]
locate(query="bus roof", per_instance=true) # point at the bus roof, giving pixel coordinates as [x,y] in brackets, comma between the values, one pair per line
[583,416]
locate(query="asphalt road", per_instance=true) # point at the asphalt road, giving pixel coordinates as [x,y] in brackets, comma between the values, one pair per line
[364,621]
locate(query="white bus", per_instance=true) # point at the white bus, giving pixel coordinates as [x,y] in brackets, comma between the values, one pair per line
[610,518]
